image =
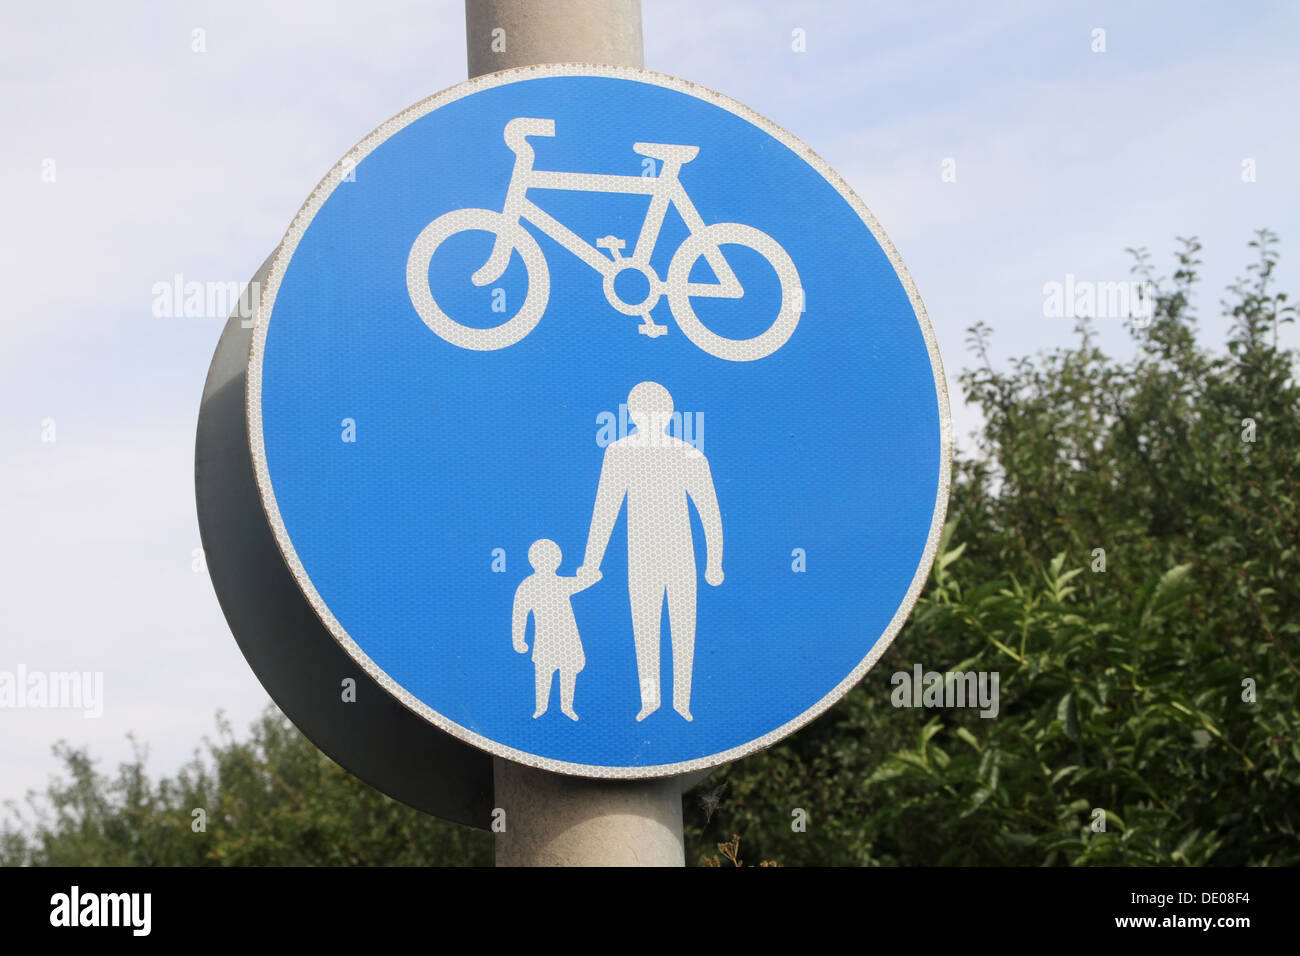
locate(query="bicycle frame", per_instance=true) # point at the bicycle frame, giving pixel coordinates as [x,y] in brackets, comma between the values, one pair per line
[663,189]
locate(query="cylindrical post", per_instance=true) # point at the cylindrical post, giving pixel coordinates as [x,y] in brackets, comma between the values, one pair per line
[555,820]
[552,819]
[501,34]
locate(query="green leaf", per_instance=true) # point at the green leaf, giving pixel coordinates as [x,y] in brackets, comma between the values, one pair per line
[1174,586]
[1063,772]
[949,557]
[1068,715]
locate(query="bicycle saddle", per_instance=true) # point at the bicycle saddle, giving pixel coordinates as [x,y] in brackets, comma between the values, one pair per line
[668,152]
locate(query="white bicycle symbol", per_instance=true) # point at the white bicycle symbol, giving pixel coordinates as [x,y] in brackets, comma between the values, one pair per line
[511,236]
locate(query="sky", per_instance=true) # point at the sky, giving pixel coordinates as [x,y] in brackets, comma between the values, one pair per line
[129,157]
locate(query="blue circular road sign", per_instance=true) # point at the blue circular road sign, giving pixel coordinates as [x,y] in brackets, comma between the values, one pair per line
[599,421]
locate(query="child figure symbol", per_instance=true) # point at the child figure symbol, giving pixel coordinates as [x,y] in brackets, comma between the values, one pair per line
[556,645]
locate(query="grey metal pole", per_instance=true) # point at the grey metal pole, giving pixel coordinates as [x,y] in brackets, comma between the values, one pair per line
[556,820]
[500,34]
[553,819]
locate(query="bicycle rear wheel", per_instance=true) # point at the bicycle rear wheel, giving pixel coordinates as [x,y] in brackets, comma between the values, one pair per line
[680,290]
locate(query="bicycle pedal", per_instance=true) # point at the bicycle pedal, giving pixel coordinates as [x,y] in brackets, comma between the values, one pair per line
[653,330]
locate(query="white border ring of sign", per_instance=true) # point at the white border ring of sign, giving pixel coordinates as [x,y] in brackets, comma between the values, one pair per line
[284,253]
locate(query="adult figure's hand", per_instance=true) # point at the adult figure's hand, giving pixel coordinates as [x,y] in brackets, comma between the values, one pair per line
[713,575]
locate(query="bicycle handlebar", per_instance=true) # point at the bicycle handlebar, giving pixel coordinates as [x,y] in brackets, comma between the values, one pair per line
[521,127]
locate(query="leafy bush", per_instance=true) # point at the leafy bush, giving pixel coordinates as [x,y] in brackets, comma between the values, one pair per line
[271,800]
[1159,694]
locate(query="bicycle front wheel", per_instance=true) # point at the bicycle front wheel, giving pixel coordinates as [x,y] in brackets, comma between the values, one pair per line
[681,289]
[437,319]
